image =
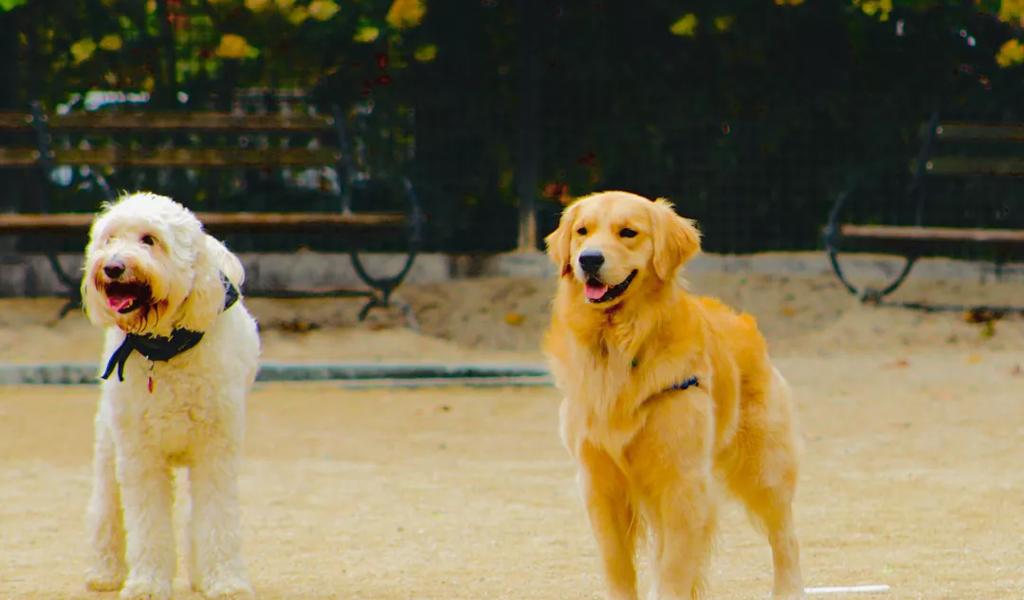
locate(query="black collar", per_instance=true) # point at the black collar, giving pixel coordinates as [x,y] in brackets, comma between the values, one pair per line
[156,347]
[691,382]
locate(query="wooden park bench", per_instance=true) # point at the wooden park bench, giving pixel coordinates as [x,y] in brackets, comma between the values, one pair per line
[207,140]
[949,150]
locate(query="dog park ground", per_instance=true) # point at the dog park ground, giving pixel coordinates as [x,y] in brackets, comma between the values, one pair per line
[912,470]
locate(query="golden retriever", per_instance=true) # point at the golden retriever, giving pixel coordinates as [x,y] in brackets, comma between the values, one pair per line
[669,397]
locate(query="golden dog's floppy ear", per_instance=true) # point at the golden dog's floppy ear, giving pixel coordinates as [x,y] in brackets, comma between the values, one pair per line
[676,239]
[558,240]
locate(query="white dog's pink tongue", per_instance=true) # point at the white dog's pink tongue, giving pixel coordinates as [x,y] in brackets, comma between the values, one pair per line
[120,302]
[595,292]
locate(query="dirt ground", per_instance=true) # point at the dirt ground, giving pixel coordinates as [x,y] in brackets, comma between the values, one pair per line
[912,470]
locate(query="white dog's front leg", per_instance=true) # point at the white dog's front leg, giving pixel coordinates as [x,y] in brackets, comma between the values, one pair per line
[215,528]
[147,495]
[103,519]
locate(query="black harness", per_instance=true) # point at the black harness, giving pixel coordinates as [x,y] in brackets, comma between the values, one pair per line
[687,383]
[158,347]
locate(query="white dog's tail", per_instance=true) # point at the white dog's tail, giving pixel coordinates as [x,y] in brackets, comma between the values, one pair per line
[226,261]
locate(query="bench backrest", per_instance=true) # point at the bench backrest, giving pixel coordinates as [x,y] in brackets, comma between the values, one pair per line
[123,139]
[972,149]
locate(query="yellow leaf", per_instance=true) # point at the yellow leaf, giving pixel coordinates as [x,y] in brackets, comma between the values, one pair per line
[425,53]
[1012,11]
[366,34]
[973,359]
[82,50]
[788,2]
[234,46]
[321,10]
[686,26]
[1010,53]
[298,16]
[147,83]
[724,23]
[257,6]
[111,42]
[284,5]
[405,13]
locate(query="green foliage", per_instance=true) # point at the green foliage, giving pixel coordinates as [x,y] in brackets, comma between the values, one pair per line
[6,5]
[750,115]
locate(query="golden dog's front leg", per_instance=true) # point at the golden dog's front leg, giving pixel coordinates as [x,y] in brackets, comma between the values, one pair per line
[605,493]
[669,465]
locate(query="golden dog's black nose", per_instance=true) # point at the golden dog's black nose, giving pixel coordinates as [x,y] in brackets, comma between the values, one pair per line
[114,269]
[591,261]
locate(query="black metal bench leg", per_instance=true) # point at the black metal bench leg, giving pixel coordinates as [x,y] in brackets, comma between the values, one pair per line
[74,292]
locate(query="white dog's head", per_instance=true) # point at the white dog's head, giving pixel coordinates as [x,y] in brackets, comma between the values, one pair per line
[150,268]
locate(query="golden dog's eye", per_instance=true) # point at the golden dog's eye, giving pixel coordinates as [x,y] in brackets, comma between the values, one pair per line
[626,232]
[148,240]
[582,231]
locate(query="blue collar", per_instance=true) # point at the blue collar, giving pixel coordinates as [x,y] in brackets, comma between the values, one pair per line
[157,347]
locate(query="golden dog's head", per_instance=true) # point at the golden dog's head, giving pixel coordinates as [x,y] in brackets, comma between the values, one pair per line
[612,244]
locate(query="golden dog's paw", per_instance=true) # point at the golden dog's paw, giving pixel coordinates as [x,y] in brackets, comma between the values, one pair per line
[104,578]
[139,588]
[228,588]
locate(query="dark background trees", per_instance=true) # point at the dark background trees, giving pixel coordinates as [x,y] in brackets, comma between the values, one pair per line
[750,115]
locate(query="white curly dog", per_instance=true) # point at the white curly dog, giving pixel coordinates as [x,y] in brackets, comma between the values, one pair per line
[181,354]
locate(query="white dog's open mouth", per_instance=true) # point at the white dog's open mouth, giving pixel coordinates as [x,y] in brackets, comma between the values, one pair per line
[126,296]
[597,291]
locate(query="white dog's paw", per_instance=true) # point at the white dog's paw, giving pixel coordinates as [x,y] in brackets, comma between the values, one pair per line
[104,578]
[228,588]
[139,588]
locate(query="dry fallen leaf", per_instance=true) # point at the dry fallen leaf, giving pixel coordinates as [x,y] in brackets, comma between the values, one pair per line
[514,318]
[897,364]
[973,359]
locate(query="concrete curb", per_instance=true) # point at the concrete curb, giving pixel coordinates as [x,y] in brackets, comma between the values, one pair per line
[370,375]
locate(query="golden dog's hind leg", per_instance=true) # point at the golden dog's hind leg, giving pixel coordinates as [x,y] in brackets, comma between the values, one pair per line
[605,492]
[669,465]
[765,480]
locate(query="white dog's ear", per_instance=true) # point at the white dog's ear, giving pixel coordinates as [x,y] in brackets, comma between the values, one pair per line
[676,239]
[206,298]
[558,241]
[227,262]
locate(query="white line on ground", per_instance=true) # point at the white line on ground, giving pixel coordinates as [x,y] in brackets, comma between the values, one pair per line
[848,589]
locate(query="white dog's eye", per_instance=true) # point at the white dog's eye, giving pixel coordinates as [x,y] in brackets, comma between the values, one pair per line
[582,231]
[148,240]
[626,232]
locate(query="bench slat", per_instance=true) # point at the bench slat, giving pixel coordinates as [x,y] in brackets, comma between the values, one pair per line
[897,233]
[979,132]
[207,122]
[219,221]
[964,165]
[176,157]
[18,157]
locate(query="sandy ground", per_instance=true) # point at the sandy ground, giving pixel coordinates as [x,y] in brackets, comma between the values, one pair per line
[912,471]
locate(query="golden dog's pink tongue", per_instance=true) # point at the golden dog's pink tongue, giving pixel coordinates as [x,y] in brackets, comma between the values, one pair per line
[595,292]
[120,302]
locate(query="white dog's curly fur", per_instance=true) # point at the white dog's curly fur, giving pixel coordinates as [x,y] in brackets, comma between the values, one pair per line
[188,411]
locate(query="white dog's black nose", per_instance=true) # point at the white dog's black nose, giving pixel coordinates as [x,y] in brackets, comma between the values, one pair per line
[591,261]
[114,269]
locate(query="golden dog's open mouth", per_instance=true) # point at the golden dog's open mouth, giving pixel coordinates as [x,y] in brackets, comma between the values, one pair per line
[597,291]
[126,296]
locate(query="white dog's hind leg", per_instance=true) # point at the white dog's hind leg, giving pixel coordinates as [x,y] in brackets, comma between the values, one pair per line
[215,527]
[147,493]
[103,519]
